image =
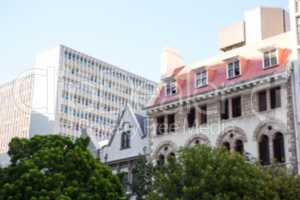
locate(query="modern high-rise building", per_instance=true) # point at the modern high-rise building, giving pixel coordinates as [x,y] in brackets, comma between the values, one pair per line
[65,92]
[73,91]
[15,110]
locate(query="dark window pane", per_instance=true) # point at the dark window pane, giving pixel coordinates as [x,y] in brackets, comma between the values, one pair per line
[273,57]
[203,114]
[230,70]
[264,151]
[266,60]
[160,128]
[236,107]
[191,118]
[125,140]
[262,101]
[171,123]
[278,148]
[275,97]
[224,109]
[237,68]
[239,146]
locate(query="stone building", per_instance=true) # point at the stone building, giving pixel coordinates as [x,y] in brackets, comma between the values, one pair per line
[244,99]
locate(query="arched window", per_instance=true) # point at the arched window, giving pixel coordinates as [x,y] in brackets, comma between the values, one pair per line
[125,140]
[239,146]
[264,150]
[226,145]
[278,147]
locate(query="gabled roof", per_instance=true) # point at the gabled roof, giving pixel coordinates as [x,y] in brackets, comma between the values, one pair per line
[139,121]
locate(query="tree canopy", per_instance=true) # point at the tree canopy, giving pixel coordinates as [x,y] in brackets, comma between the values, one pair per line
[142,178]
[56,168]
[204,173]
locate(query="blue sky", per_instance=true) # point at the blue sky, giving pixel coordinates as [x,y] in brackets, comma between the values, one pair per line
[127,33]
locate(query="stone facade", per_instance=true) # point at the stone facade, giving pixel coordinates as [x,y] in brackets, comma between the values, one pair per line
[246,128]
[249,107]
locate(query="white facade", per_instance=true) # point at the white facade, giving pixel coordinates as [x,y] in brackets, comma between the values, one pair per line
[74,91]
[15,109]
[128,143]
[136,125]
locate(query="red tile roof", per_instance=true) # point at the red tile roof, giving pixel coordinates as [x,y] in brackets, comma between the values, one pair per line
[250,69]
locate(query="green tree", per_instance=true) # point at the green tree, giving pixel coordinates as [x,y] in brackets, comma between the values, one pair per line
[205,173]
[285,184]
[142,178]
[56,168]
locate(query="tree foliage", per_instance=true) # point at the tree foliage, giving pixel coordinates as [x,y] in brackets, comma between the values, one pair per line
[56,168]
[204,173]
[142,178]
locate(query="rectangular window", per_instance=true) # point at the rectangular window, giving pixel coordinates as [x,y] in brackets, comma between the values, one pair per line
[298,28]
[171,88]
[201,79]
[270,58]
[262,101]
[275,97]
[160,128]
[203,114]
[171,123]
[233,69]
[236,106]
[224,105]
[191,118]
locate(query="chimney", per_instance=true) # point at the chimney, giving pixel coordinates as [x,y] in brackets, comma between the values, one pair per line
[170,60]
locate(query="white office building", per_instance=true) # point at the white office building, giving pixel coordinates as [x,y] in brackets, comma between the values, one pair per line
[15,110]
[73,91]
[67,91]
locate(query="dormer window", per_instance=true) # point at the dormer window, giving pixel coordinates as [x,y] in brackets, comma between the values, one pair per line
[201,79]
[171,88]
[125,140]
[270,59]
[233,69]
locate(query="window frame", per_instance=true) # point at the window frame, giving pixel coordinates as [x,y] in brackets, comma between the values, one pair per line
[298,27]
[169,87]
[269,54]
[191,117]
[279,147]
[171,126]
[259,104]
[203,114]
[197,78]
[233,62]
[224,105]
[236,113]
[276,104]
[160,126]
[125,140]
